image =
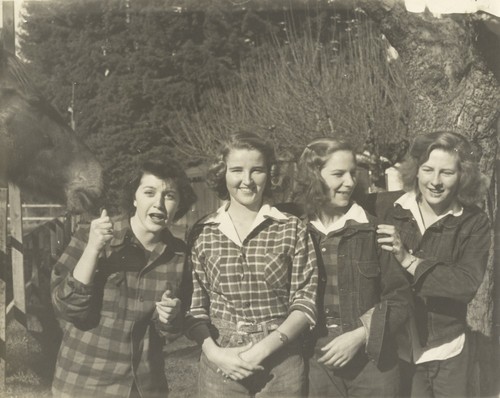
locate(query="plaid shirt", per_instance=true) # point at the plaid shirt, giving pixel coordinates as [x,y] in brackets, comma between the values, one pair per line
[265,277]
[112,334]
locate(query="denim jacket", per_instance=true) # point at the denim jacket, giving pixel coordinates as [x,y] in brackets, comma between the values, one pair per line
[455,252]
[365,283]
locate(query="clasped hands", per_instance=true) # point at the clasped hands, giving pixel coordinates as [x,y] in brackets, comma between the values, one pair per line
[236,363]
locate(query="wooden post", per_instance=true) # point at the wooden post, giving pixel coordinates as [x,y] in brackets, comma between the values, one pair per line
[9,43]
[17,255]
[3,280]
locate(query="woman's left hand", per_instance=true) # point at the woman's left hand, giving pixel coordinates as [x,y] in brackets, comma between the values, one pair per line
[168,308]
[390,240]
[342,349]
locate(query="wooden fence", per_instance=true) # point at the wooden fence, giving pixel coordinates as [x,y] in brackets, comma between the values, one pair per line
[26,263]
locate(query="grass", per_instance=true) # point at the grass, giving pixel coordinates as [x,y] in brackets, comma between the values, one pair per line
[30,365]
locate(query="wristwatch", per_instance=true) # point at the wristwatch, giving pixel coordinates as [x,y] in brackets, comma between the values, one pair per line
[283,337]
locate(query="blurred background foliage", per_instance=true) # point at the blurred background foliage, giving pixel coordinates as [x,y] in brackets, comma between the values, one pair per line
[143,78]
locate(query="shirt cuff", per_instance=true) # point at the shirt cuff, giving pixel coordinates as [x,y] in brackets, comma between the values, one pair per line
[366,320]
[78,287]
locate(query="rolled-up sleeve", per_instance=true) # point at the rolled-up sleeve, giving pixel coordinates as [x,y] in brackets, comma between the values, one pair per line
[304,280]
[198,314]
[70,298]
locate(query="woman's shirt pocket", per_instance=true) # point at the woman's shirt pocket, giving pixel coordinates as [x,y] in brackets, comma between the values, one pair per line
[113,294]
[277,271]
[369,283]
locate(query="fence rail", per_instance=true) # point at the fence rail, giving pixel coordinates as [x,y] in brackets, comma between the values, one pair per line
[26,263]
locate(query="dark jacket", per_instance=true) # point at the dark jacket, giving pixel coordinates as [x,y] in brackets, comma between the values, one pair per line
[455,252]
[365,283]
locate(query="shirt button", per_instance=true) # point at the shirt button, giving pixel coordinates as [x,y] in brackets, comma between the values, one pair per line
[327,311]
[323,249]
[141,299]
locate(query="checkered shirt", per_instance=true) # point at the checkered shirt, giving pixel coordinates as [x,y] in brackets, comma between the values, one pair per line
[329,251]
[265,277]
[112,334]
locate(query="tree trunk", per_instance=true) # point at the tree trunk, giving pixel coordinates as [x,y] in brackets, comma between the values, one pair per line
[452,88]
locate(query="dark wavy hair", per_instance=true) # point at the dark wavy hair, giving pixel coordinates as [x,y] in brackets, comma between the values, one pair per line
[472,184]
[216,175]
[310,188]
[165,169]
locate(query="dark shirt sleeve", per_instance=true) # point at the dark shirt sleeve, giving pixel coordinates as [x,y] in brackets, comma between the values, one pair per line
[460,279]
[392,312]
[71,299]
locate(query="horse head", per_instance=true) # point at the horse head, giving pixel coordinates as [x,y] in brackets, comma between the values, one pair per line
[40,152]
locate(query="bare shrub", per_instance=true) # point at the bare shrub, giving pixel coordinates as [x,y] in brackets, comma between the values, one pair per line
[326,78]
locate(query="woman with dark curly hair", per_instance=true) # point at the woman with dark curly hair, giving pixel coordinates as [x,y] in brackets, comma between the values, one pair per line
[254,277]
[437,234]
[361,302]
[115,290]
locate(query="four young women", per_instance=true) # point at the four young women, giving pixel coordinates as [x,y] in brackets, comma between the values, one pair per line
[270,289]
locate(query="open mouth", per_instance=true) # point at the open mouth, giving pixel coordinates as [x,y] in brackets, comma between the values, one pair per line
[157,218]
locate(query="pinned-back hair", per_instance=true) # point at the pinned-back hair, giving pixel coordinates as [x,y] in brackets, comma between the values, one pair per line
[216,175]
[310,188]
[472,184]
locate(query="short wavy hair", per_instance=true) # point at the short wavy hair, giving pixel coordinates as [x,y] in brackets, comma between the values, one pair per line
[216,174]
[165,169]
[472,184]
[311,190]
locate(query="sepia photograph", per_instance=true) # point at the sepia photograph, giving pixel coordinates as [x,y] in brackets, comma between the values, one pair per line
[249,198]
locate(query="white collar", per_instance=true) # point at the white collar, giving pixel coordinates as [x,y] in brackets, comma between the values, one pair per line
[226,225]
[355,213]
[408,201]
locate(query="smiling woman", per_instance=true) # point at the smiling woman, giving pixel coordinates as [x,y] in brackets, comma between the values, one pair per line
[254,278]
[438,235]
[115,288]
[361,301]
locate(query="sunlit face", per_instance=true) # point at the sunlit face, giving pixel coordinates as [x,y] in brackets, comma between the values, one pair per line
[246,176]
[155,202]
[339,174]
[438,180]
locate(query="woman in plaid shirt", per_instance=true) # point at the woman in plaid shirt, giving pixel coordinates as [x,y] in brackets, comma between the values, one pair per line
[114,287]
[255,278]
[361,301]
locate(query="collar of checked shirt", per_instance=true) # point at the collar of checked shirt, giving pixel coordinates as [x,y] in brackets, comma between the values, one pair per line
[226,226]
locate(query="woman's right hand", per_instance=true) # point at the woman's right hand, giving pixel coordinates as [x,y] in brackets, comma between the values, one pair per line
[101,232]
[389,239]
[229,362]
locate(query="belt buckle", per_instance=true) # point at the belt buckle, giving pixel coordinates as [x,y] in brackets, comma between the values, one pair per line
[241,324]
